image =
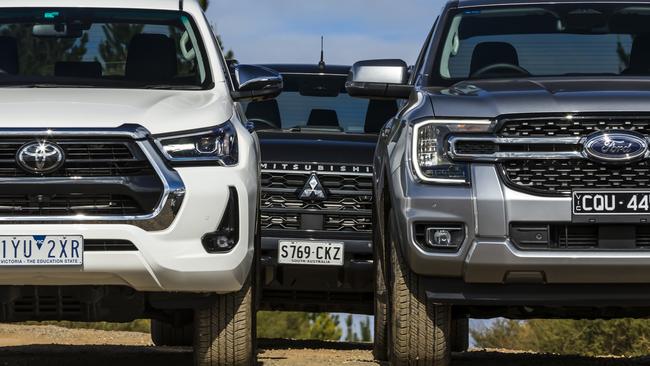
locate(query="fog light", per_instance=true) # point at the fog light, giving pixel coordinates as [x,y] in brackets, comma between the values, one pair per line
[441,238]
[217,242]
[227,235]
[445,237]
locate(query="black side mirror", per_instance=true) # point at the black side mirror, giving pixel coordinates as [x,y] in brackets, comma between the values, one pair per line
[255,83]
[383,79]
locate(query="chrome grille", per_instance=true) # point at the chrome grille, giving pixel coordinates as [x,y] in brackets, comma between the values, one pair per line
[83,158]
[546,155]
[346,209]
[281,221]
[294,181]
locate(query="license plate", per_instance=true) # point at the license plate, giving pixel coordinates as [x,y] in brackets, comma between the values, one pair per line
[611,203]
[41,250]
[310,253]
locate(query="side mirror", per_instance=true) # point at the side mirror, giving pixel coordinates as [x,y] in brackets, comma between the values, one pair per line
[383,79]
[255,82]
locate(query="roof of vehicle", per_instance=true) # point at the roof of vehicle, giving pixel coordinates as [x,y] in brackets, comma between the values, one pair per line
[476,3]
[309,69]
[128,4]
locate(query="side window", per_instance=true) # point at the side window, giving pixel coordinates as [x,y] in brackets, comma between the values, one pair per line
[417,69]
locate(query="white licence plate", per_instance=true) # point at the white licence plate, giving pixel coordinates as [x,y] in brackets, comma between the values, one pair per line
[310,253]
[41,250]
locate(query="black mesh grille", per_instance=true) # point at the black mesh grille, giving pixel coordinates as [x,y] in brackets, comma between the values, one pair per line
[533,236]
[476,147]
[99,177]
[67,204]
[347,208]
[108,245]
[562,176]
[576,126]
[558,177]
[90,158]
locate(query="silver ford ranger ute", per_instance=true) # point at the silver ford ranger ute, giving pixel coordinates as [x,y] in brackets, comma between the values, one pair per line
[514,181]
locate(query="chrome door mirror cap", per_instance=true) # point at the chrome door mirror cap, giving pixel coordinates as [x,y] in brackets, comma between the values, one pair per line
[253,82]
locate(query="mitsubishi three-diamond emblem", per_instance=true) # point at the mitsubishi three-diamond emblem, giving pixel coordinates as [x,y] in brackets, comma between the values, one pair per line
[313,190]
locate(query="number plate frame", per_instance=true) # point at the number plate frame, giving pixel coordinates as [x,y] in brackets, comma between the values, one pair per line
[41,250]
[620,213]
[331,247]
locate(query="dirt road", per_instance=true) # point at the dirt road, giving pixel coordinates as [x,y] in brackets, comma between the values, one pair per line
[53,346]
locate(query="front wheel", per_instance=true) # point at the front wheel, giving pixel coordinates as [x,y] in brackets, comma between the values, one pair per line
[420,330]
[224,330]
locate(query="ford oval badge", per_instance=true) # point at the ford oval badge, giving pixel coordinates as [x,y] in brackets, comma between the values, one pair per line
[616,147]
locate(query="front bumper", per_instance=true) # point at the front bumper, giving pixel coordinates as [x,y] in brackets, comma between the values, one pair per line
[348,288]
[170,260]
[487,256]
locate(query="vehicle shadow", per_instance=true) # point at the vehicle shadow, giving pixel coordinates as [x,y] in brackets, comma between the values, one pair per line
[483,358]
[68,355]
[284,344]
[74,355]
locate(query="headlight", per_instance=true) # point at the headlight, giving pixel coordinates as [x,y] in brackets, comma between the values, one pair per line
[218,144]
[430,160]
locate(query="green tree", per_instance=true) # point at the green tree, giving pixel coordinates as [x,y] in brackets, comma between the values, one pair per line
[621,337]
[292,325]
[39,55]
[350,334]
[282,325]
[366,334]
[325,327]
[204,4]
[114,48]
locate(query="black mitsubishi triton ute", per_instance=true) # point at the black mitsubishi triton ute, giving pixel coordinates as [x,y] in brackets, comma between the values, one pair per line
[317,145]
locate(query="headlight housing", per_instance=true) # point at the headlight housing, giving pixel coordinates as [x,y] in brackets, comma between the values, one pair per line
[430,161]
[215,145]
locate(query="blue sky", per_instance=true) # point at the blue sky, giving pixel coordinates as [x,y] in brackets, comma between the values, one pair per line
[288,31]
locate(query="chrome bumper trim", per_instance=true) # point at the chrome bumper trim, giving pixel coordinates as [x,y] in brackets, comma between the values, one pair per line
[159,219]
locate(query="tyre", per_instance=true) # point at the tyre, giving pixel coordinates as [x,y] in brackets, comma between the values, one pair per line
[166,334]
[380,348]
[460,335]
[420,330]
[224,333]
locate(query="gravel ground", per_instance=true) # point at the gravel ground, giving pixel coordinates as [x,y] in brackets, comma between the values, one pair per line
[54,346]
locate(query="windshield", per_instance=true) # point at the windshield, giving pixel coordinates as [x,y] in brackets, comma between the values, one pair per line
[554,40]
[101,48]
[313,101]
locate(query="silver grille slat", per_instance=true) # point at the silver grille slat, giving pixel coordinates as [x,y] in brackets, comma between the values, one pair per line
[547,155]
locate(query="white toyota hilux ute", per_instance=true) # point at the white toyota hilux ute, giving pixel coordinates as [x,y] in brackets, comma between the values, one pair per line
[128,177]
